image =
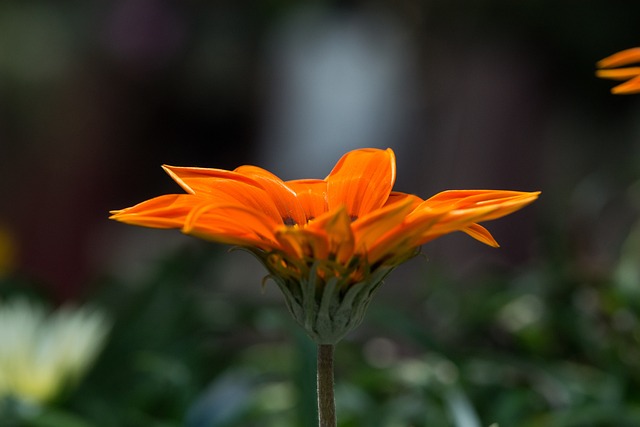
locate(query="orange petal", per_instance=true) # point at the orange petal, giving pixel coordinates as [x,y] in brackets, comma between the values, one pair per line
[463,198]
[449,221]
[630,87]
[439,215]
[312,195]
[203,180]
[504,201]
[477,206]
[361,181]
[619,73]
[232,224]
[426,223]
[481,234]
[397,196]
[625,57]
[225,187]
[302,242]
[284,198]
[336,226]
[405,237]
[373,226]
[427,226]
[168,211]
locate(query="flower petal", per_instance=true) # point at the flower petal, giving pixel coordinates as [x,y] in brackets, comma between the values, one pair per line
[463,208]
[225,187]
[504,201]
[405,237]
[336,225]
[446,212]
[625,57]
[231,224]
[481,234]
[303,243]
[619,73]
[203,180]
[371,227]
[284,198]
[397,196]
[312,195]
[168,211]
[630,87]
[361,181]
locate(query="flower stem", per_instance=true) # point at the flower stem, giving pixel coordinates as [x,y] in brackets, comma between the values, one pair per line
[326,400]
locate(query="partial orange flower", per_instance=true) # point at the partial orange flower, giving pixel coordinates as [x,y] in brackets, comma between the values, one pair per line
[340,235]
[608,70]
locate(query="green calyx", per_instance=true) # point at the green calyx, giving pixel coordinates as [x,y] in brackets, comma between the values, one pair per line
[323,297]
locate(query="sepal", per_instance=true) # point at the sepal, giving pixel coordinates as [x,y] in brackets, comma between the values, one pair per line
[327,300]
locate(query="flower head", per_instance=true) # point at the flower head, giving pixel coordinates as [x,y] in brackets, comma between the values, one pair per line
[328,243]
[42,353]
[631,75]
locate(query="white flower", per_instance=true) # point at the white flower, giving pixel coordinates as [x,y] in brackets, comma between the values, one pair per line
[42,352]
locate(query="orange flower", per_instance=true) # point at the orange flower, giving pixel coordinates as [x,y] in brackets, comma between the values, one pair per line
[630,74]
[340,235]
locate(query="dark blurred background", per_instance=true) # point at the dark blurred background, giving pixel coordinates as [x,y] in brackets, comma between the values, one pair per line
[95,96]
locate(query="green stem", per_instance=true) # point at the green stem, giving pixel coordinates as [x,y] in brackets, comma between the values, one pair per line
[326,400]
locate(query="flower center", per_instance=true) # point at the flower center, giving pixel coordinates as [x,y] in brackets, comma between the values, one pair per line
[289,222]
